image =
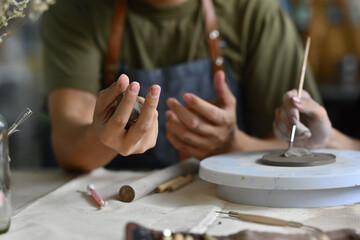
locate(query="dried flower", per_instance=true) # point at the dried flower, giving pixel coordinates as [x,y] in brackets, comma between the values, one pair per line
[37,7]
[11,11]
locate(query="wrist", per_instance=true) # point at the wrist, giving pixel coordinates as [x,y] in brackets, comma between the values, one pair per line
[338,140]
[245,143]
[236,145]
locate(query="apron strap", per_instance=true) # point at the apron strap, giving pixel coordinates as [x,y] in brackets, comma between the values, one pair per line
[115,40]
[212,36]
[117,29]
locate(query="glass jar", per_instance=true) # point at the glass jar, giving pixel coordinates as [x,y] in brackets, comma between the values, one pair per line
[5,203]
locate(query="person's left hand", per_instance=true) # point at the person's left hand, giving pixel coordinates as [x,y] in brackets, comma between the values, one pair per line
[201,129]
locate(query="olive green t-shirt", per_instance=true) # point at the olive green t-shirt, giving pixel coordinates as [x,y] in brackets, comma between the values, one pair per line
[259,42]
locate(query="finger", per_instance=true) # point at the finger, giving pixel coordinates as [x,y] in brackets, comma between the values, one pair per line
[141,100]
[183,134]
[227,99]
[186,117]
[149,138]
[209,111]
[127,147]
[183,147]
[143,124]
[309,107]
[291,112]
[284,117]
[105,107]
[122,114]
[109,95]
[302,132]
[281,130]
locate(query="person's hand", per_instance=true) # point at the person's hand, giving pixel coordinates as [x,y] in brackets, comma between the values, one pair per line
[201,129]
[109,122]
[312,122]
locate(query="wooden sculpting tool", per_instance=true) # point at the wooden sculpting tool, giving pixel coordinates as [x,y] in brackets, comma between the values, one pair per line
[268,220]
[301,83]
[165,186]
[180,183]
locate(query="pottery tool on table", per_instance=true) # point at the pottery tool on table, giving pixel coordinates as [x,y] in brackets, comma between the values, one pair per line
[148,184]
[268,220]
[174,184]
[96,196]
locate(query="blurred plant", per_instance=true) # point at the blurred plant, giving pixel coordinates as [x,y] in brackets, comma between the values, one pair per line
[12,11]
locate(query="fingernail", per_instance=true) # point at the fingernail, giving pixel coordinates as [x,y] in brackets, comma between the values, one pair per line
[155,91]
[134,87]
[296,99]
[170,102]
[168,114]
[293,119]
[187,97]
[306,134]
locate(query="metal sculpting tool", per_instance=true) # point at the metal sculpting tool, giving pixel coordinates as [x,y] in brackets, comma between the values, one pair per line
[23,116]
[301,83]
[269,220]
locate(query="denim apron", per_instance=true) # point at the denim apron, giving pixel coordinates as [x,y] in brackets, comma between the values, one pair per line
[195,77]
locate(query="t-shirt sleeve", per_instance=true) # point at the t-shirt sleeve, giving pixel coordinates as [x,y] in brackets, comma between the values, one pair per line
[71,58]
[273,66]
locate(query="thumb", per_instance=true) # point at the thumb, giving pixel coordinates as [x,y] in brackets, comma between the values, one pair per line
[309,108]
[110,94]
[226,98]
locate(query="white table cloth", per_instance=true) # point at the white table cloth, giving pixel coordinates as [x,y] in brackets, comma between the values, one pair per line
[69,212]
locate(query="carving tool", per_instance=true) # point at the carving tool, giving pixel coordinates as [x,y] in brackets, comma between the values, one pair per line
[268,220]
[301,83]
[165,186]
[181,183]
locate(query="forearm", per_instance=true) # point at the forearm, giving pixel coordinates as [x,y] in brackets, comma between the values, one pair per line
[243,143]
[75,143]
[338,140]
[78,148]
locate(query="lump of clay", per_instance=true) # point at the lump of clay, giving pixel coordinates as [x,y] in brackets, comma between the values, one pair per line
[297,152]
[135,112]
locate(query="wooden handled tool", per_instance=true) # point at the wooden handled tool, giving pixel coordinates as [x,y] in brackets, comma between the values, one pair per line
[300,88]
[268,220]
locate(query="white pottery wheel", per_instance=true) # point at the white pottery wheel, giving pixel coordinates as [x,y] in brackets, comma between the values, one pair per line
[242,179]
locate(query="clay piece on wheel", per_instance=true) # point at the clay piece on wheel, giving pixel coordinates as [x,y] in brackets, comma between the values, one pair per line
[297,157]
[294,151]
[135,112]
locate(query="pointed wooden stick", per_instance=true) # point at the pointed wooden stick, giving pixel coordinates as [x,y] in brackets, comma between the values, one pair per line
[303,70]
[300,88]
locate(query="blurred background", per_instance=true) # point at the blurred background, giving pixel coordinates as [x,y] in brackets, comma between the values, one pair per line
[334,27]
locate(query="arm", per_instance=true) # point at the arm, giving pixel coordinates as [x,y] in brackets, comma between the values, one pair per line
[87,131]
[338,140]
[71,112]
[274,56]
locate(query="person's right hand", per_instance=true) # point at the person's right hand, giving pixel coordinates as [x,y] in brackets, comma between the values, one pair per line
[109,122]
[312,122]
